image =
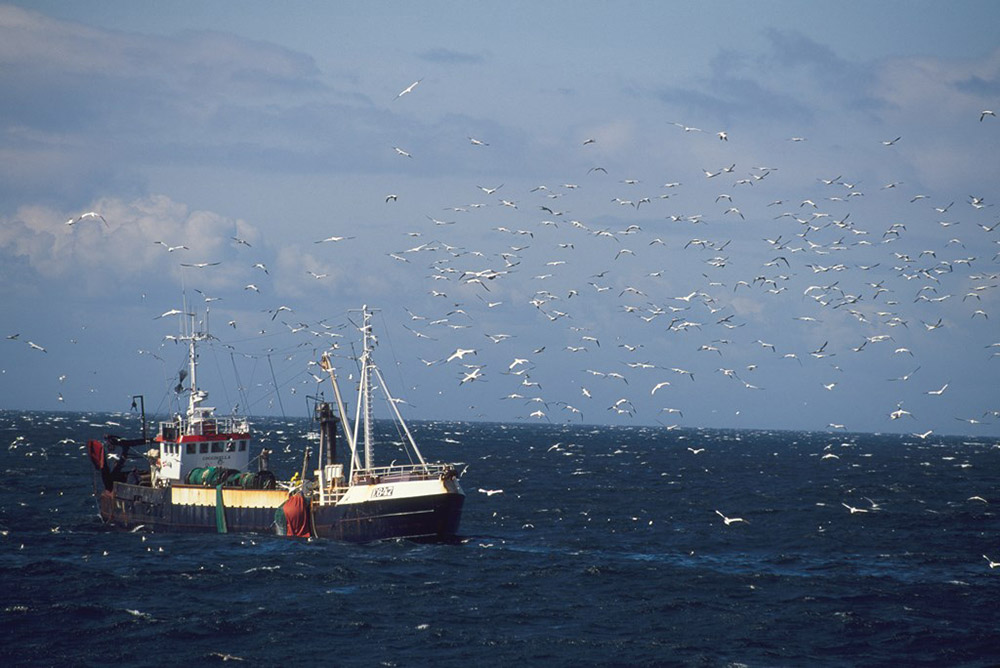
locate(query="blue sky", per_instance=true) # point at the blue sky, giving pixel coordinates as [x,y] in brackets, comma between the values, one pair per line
[807,268]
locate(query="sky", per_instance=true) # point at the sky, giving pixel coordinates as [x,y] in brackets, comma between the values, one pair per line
[727,215]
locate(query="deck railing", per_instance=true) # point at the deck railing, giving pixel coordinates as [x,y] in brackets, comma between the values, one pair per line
[203,427]
[403,472]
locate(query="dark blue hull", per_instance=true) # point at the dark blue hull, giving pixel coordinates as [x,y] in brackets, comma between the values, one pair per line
[433,517]
[421,518]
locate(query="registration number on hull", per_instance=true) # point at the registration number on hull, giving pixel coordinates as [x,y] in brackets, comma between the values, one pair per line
[382,492]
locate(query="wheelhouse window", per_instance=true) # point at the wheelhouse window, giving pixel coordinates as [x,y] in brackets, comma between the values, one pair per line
[203,448]
[192,448]
[243,446]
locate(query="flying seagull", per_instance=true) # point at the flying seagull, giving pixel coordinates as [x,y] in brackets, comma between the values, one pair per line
[89,214]
[729,520]
[408,89]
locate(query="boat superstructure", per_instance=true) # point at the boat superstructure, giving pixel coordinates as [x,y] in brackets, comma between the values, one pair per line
[199,439]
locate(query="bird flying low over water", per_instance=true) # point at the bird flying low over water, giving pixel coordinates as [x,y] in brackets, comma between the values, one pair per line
[729,520]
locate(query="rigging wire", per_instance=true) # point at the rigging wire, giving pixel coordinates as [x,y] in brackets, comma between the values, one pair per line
[276,392]
[239,385]
[218,368]
[392,350]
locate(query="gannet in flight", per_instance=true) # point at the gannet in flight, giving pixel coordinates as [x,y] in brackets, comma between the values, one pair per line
[460,353]
[408,89]
[729,520]
[89,214]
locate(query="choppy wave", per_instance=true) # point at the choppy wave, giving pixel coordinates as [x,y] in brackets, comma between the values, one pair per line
[603,547]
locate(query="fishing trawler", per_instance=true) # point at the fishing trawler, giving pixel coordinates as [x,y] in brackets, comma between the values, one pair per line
[194,474]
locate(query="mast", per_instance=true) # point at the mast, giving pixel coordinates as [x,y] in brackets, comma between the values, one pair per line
[192,370]
[196,396]
[366,384]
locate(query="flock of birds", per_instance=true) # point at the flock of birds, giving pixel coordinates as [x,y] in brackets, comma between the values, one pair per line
[663,300]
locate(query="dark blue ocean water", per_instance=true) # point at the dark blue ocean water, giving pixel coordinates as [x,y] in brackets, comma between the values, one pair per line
[604,548]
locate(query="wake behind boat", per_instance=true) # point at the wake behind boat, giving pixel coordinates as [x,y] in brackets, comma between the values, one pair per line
[196,473]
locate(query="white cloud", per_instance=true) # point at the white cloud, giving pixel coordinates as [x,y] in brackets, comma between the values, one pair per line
[99,255]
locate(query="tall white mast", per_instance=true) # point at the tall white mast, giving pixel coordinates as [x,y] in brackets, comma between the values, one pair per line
[196,396]
[366,384]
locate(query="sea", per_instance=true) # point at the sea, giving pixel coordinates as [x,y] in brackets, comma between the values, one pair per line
[580,546]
